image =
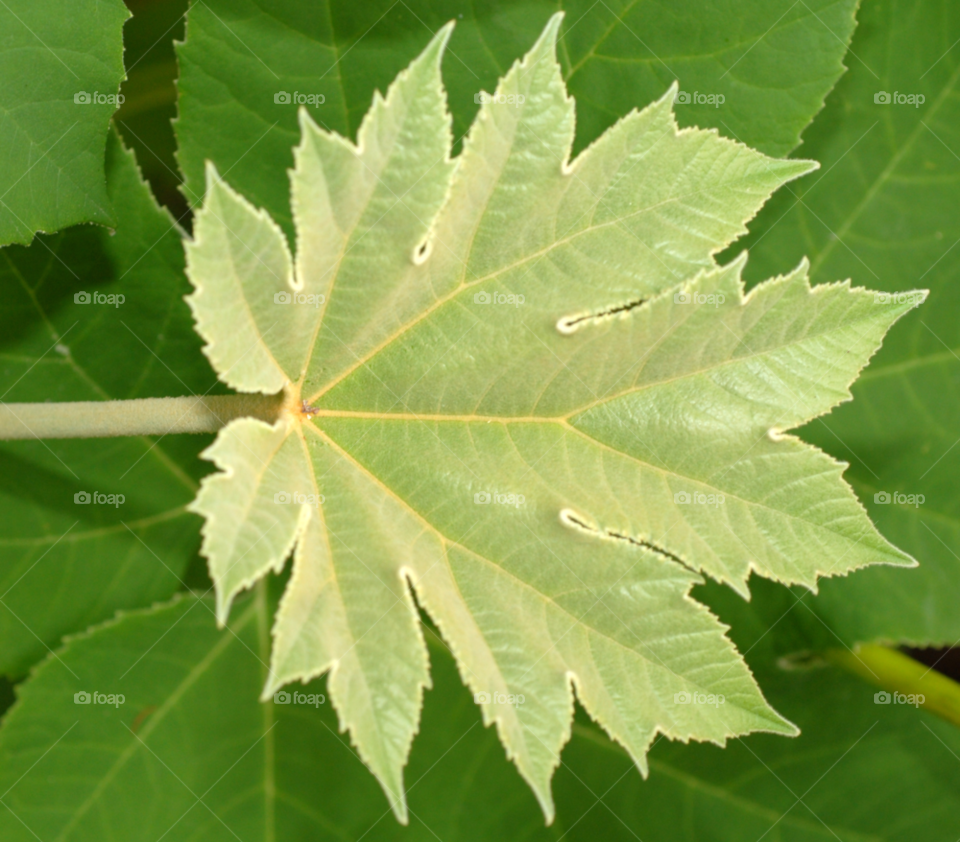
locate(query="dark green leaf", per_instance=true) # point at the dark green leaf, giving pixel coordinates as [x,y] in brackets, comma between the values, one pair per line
[64,565]
[61,70]
[773,62]
[190,754]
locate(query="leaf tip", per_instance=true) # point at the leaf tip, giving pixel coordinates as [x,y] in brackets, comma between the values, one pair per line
[433,52]
[442,37]
[546,44]
[224,601]
[784,727]
[211,174]
[545,800]
[552,29]
[399,807]
[804,165]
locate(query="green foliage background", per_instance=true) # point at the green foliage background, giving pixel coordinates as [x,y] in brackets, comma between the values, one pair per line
[192,752]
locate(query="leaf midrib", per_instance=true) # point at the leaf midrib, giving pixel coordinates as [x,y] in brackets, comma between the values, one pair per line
[693,372]
[562,422]
[305,676]
[448,542]
[465,284]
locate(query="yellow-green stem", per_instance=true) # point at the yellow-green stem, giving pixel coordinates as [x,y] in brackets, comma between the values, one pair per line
[898,673]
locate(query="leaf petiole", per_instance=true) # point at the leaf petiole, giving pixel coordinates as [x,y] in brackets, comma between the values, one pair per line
[893,671]
[139,417]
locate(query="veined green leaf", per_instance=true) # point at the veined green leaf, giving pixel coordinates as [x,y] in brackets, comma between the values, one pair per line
[93,315]
[62,75]
[771,63]
[520,388]
[185,752]
[886,212]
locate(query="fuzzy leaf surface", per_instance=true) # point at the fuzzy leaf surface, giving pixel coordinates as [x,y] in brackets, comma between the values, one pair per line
[521,390]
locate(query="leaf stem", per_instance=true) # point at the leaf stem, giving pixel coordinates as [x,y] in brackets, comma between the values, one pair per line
[896,672]
[140,417]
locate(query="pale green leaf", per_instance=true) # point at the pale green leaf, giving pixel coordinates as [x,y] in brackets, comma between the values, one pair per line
[512,383]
